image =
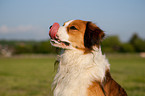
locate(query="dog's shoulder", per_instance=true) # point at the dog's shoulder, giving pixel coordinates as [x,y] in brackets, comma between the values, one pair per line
[109,87]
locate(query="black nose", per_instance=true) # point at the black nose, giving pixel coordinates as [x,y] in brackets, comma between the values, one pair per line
[50,27]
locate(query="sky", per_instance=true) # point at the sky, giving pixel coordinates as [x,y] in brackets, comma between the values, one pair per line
[30,19]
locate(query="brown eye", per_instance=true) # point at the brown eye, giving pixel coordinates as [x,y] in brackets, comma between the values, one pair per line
[73,28]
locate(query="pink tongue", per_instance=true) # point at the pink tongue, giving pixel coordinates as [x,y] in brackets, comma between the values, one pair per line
[53,30]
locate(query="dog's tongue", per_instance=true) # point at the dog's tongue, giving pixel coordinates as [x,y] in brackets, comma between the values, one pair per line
[53,30]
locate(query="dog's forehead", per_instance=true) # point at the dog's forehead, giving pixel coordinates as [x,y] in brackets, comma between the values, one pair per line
[75,22]
[68,22]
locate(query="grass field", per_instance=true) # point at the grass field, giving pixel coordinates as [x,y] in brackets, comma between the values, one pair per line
[32,75]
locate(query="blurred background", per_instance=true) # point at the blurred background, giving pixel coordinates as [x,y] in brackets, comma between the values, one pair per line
[27,57]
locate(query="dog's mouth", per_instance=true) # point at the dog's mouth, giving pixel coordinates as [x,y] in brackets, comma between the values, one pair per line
[58,43]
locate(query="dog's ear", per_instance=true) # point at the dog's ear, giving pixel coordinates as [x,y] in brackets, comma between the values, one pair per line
[93,35]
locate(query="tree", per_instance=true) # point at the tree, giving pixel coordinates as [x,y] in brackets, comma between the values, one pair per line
[137,43]
[23,48]
[126,47]
[111,44]
[43,47]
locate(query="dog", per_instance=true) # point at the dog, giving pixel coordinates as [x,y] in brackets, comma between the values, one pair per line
[83,70]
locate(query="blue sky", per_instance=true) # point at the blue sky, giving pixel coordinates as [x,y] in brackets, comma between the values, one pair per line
[30,19]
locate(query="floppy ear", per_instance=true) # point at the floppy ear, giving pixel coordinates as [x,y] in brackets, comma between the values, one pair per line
[93,35]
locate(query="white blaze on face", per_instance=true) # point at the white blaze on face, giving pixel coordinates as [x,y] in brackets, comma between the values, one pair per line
[62,32]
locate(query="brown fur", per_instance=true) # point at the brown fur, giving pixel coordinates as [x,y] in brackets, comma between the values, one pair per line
[95,89]
[107,88]
[79,33]
[93,35]
[87,34]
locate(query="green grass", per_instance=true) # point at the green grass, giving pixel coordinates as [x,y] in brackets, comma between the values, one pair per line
[26,76]
[129,71]
[29,76]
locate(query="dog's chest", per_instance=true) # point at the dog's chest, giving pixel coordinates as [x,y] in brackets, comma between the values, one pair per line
[75,74]
[72,84]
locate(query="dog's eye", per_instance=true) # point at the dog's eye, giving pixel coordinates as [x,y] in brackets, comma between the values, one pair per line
[73,28]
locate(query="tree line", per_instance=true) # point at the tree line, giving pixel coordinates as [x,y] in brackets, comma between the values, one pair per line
[113,44]
[109,44]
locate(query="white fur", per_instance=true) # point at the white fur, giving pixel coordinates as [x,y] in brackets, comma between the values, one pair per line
[62,32]
[67,23]
[77,70]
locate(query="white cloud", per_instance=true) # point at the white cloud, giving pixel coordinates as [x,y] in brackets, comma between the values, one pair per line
[3,29]
[23,32]
[20,28]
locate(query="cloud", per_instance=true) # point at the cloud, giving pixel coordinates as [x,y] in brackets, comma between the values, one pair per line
[20,28]
[23,32]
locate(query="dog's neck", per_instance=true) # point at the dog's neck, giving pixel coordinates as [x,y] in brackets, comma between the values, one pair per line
[77,70]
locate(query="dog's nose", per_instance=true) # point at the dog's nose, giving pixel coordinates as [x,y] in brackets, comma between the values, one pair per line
[50,27]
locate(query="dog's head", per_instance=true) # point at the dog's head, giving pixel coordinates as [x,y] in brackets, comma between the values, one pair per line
[76,34]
